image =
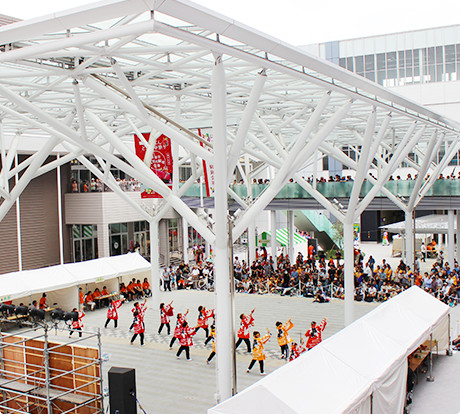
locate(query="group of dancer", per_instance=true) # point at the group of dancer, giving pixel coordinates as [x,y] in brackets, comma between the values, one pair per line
[184,333]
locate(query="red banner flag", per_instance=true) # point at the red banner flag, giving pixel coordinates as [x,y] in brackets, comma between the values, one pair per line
[162,162]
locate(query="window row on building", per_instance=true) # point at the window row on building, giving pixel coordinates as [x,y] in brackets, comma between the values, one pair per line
[404,67]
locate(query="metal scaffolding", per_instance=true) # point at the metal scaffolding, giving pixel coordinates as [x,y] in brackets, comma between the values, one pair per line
[39,376]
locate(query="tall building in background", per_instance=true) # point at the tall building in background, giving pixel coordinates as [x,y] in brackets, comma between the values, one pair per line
[423,65]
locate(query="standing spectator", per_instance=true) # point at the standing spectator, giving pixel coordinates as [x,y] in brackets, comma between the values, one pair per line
[423,252]
[167,278]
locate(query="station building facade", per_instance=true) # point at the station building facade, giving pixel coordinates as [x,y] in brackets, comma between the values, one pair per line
[56,220]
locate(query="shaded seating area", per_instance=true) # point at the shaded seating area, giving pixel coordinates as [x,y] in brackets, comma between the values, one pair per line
[62,282]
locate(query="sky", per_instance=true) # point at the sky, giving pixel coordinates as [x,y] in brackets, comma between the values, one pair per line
[299,22]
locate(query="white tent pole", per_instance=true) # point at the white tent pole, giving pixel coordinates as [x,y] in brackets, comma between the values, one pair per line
[349,266]
[224,320]
[451,237]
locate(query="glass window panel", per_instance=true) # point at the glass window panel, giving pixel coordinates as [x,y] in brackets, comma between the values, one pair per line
[408,58]
[439,55]
[416,57]
[359,65]
[381,61]
[450,67]
[449,53]
[370,76]
[123,227]
[391,65]
[439,72]
[380,76]
[431,58]
[369,60]
[391,60]
[343,63]
[401,64]
[350,65]
[114,228]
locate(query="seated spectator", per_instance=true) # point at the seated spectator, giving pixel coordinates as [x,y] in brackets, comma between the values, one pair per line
[146,288]
[43,304]
[89,301]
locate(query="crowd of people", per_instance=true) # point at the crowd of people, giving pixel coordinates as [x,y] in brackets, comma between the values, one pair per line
[321,278]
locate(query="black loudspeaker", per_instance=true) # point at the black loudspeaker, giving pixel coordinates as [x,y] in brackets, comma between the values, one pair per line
[122,390]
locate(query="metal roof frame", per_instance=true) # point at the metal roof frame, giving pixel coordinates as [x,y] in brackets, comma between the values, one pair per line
[85,80]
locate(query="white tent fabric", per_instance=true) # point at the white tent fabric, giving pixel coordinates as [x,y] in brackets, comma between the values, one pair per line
[28,283]
[433,223]
[369,357]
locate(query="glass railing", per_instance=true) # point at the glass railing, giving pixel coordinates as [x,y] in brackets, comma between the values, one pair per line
[441,188]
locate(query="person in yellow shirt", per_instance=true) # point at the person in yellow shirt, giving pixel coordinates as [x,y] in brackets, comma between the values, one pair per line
[258,350]
[283,337]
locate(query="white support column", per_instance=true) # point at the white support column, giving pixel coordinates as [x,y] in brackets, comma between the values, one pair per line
[409,239]
[273,242]
[59,208]
[451,237]
[458,236]
[185,240]
[251,243]
[224,320]
[290,216]
[155,262]
[349,277]
[103,240]
[18,220]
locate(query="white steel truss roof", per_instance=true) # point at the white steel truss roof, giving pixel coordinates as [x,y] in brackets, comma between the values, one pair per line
[84,81]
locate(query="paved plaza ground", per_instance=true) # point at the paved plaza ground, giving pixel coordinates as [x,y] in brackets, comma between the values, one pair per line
[168,385]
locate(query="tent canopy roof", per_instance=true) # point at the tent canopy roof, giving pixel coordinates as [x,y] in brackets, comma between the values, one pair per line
[341,372]
[431,224]
[282,237]
[27,282]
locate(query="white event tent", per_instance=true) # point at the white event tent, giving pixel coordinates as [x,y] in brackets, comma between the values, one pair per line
[61,282]
[361,369]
